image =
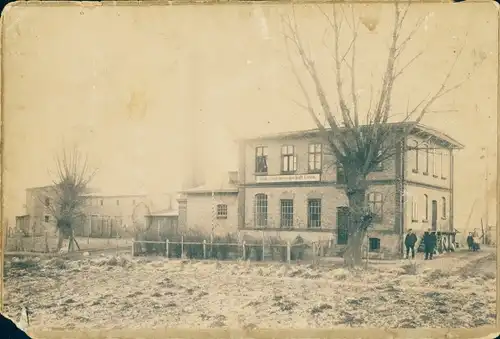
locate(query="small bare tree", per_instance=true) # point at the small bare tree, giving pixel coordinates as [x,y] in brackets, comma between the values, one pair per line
[360,147]
[65,199]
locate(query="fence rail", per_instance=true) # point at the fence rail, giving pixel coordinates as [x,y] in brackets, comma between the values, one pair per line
[256,251]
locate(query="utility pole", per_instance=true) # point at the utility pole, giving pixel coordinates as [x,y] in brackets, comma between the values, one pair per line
[486,197]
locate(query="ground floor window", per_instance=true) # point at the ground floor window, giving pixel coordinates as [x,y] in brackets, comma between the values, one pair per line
[314,213]
[286,213]
[374,244]
[221,211]
[260,210]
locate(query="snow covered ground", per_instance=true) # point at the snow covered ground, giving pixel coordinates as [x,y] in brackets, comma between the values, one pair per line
[457,290]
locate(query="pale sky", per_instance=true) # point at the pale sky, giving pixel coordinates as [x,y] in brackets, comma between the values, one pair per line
[133,85]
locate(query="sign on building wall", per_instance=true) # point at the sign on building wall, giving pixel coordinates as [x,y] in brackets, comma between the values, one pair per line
[287,178]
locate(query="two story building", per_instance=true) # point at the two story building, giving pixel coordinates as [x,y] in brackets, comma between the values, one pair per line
[104,214]
[290,185]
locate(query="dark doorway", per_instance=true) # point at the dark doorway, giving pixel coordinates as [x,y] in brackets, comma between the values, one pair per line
[342,225]
[434,212]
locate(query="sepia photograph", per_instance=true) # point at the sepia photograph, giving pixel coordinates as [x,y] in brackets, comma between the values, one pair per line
[249,166]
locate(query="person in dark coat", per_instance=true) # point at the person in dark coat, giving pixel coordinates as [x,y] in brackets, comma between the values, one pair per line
[430,240]
[410,241]
[470,241]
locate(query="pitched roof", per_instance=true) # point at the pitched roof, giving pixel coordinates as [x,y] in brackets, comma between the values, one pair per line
[418,129]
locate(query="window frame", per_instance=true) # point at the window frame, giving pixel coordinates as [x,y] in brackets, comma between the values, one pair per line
[447,167]
[417,155]
[261,210]
[340,169]
[414,210]
[317,212]
[221,211]
[444,206]
[374,240]
[372,201]
[312,156]
[426,208]
[261,156]
[286,213]
[426,171]
[291,159]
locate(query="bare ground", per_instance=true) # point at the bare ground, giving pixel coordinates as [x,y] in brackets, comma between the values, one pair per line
[120,292]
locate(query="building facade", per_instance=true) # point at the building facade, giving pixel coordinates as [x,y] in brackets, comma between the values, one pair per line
[104,215]
[212,208]
[289,183]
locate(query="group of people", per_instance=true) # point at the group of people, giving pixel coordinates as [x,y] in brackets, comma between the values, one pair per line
[473,242]
[429,240]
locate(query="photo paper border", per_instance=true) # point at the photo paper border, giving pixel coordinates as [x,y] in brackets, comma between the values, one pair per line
[479,332]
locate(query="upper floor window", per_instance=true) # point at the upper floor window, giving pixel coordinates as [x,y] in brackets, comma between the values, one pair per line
[444,165]
[426,171]
[379,162]
[47,202]
[102,202]
[415,156]
[261,159]
[221,211]
[260,210]
[375,204]
[117,202]
[433,158]
[438,163]
[288,159]
[315,157]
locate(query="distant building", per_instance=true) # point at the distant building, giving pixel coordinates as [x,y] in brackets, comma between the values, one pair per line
[163,223]
[103,214]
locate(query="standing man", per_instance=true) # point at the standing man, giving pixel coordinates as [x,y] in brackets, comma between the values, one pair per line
[430,241]
[410,241]
[470,241]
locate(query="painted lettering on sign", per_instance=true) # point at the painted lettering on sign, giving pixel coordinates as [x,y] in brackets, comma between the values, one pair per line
[287,178]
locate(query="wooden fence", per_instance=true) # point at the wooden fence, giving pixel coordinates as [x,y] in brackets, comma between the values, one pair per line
[254,251]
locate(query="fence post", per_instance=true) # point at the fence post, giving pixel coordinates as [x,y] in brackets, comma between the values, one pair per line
[204,249]
[314,252]
[263,249]
[167,242]
[47,242]
[182,246]
[133,248]
[288,252]
[244,250]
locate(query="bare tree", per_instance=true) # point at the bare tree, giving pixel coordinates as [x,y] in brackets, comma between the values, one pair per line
[65,199]
[360,141]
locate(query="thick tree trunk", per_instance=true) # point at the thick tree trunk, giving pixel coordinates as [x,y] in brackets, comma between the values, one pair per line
[60,240]
[353,256]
